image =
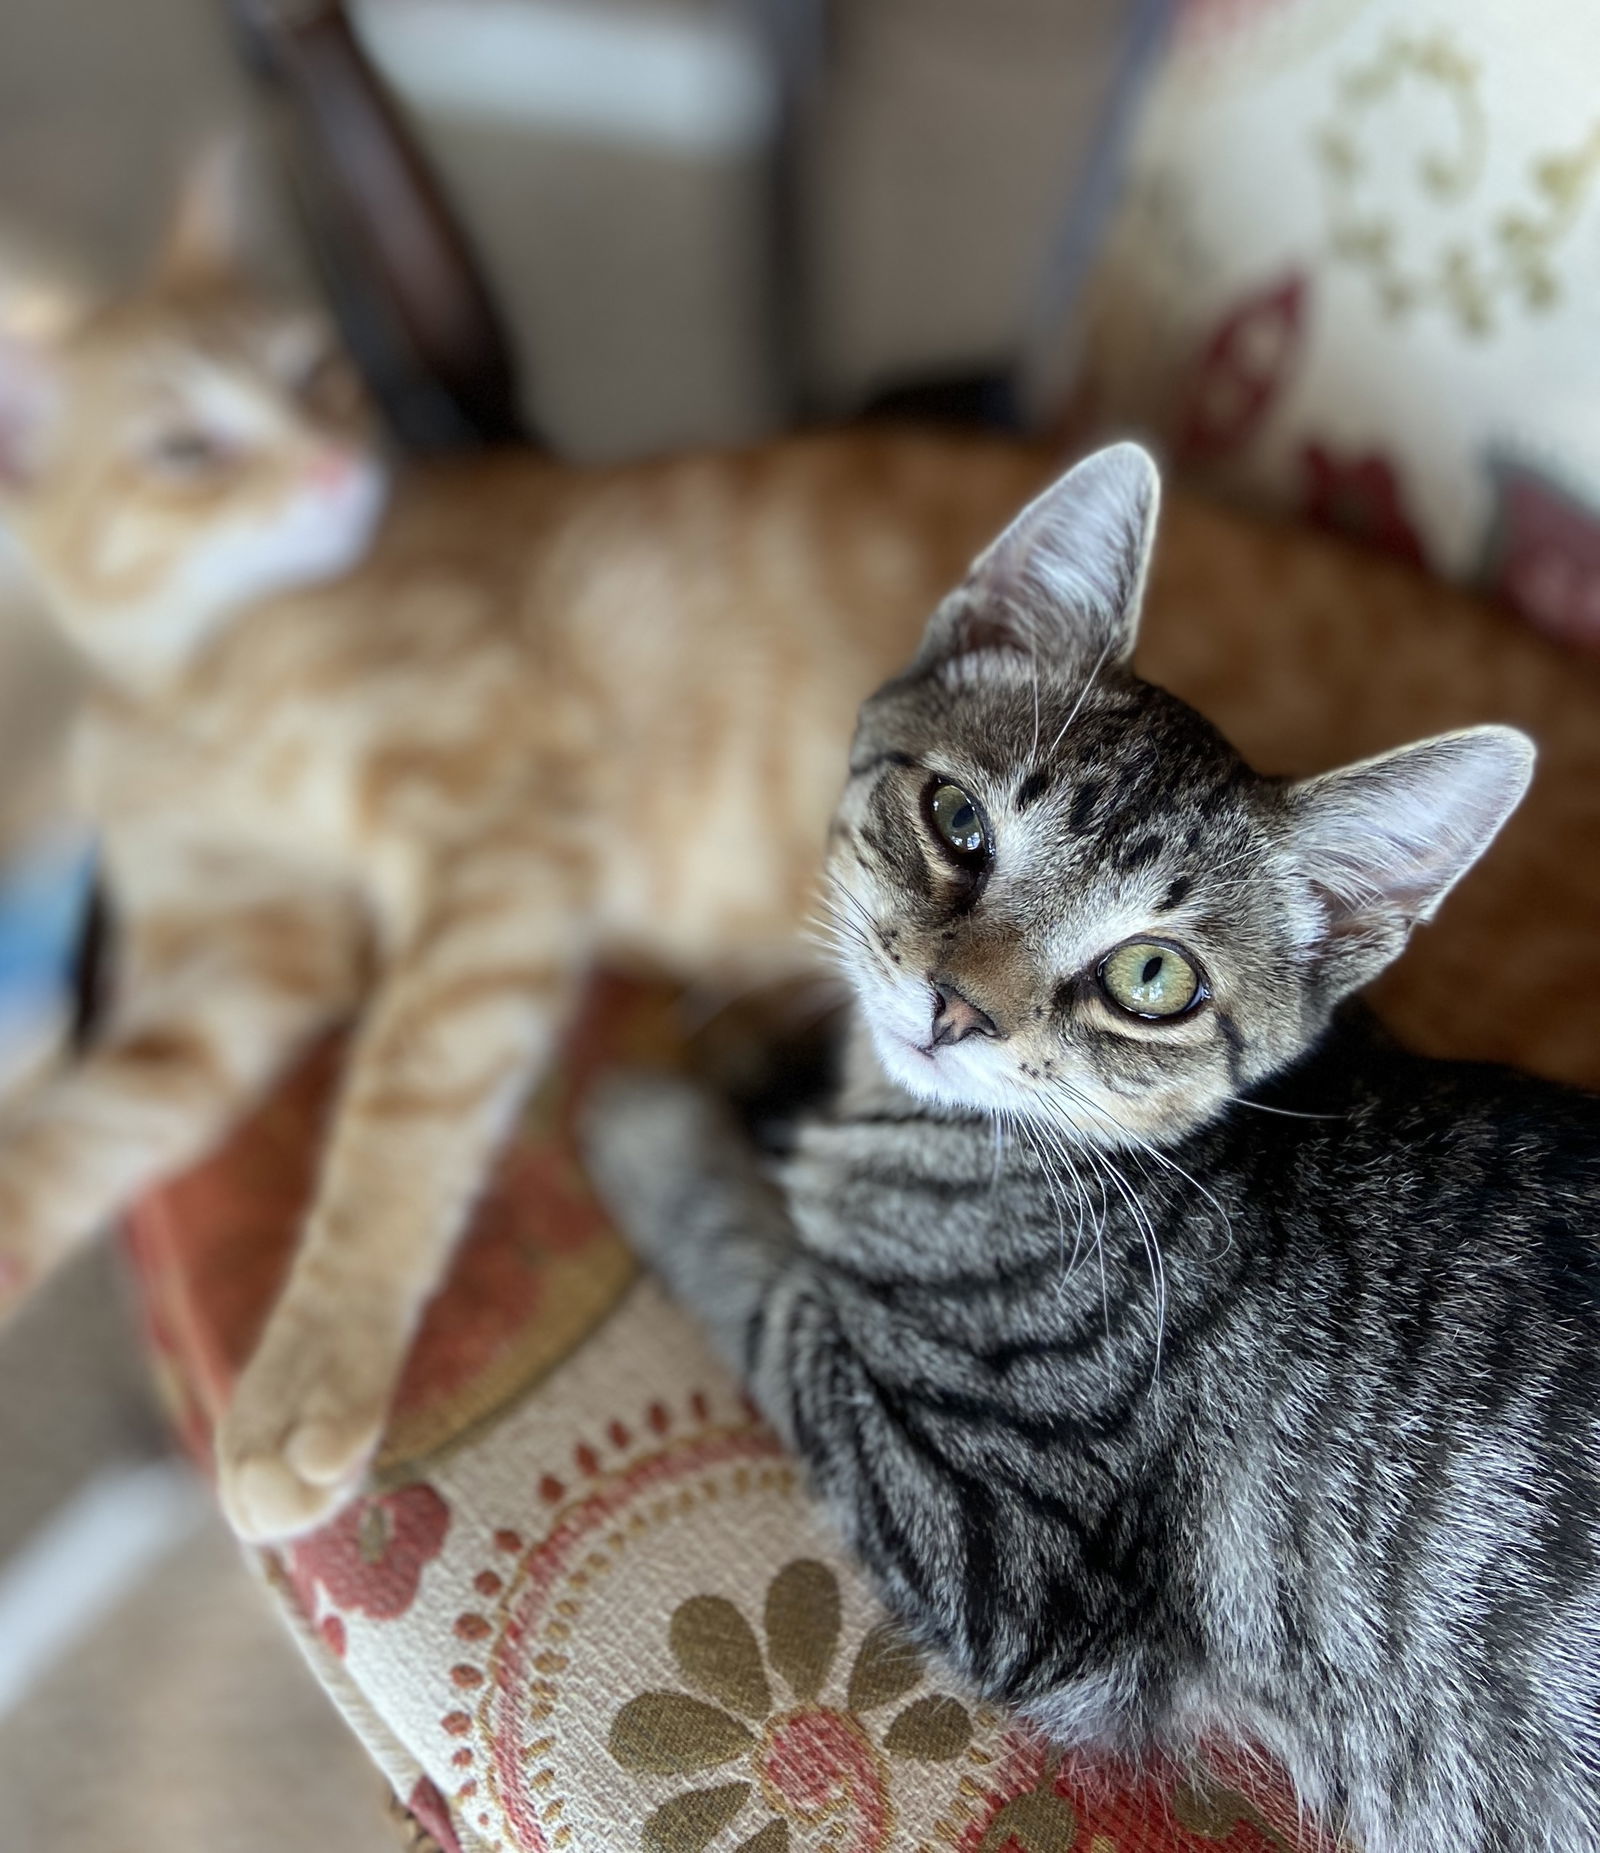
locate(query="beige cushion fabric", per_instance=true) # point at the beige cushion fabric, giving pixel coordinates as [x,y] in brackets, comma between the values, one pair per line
[586,1603]
[1355,274]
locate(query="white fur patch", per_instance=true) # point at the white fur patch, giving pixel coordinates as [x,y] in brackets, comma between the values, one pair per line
[314,535]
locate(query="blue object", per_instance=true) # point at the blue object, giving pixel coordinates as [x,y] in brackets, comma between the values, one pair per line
[44,898]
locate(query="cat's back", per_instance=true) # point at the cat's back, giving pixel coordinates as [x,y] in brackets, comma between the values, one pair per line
[842,539]
[693,632]
[1365,1118]
[1418,1243]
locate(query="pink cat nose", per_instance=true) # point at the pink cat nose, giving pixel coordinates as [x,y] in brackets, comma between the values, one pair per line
[330,469]
[956,1017]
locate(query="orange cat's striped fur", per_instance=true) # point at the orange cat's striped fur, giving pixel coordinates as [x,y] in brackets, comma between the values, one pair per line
[428,768]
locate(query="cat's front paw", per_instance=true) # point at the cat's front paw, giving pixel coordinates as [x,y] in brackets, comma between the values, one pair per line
[303,1426]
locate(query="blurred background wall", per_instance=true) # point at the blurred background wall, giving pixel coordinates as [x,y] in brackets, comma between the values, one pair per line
[616,161]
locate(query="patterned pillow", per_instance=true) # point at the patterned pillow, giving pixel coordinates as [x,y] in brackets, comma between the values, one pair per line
[1354,275]
[584,1604]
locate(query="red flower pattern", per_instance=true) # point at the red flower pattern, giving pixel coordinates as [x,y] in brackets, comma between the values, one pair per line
[428,1808]
[1361,497]
[371,1557]
[1241,371]
[1544,557]
[1050,1801]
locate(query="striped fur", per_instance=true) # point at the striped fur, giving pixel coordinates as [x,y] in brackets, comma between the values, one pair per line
[1234,1374]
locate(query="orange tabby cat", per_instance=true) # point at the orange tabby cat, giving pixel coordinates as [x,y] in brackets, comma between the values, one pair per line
[427,762]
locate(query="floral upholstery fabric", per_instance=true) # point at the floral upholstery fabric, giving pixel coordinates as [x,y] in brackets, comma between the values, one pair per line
[585,1604]
[1353,275]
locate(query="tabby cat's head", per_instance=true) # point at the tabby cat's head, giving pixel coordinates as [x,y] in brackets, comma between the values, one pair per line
[167,459]
[1062,893]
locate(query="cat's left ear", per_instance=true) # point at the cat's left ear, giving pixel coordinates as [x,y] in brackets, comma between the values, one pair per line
[36,319]
[1067,578]
[28,401]
[204,240]
[42,305]
[29,396]
[1379,845]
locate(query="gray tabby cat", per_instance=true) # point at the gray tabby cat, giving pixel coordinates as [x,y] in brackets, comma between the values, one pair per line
[1163,1415]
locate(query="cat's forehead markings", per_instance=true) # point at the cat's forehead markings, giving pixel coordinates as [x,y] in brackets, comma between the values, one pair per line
[1085,802]
[1081,936]
[1033,785]
[1138,851]
[289,346]
[214,391]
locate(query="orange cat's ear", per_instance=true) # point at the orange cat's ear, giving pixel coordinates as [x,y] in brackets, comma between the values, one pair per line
[30,393]
[38,312]
[204,241]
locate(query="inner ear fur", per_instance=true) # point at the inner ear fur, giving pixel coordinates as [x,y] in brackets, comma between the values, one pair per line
[1067,577]
[1380,844]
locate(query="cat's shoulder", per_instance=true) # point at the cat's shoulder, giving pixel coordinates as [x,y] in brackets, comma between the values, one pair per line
[1394,1097]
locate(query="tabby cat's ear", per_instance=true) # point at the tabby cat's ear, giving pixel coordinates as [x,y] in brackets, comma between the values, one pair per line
[1382,843]
[204,240]
[1067,578]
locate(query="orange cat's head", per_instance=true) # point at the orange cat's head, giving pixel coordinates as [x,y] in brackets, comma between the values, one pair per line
[170,458]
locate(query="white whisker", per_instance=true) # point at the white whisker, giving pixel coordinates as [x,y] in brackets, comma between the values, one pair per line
[1145,1149]
[1083,696]
[1288,1113]
[1063,1092]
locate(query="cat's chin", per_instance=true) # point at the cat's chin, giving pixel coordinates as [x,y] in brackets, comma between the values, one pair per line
[941,1076]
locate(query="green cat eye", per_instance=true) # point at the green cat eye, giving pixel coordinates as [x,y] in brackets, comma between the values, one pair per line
[1149,978]
[956,821]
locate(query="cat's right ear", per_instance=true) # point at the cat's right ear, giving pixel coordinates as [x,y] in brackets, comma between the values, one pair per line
[42,303]
[204,240]
[30,396]
[1067,578]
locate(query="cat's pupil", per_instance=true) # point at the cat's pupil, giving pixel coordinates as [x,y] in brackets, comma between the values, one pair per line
[1150,979]
[956,818]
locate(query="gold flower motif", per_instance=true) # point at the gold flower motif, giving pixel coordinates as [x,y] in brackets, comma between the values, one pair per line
[1212,1811]
[808,1762]
[1040,1821]
[1472,276]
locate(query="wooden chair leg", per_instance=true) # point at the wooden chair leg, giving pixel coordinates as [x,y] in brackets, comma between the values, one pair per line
[400,271]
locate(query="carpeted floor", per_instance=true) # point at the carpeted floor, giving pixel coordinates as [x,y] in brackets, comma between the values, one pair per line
[187,1724]
[182,1721]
